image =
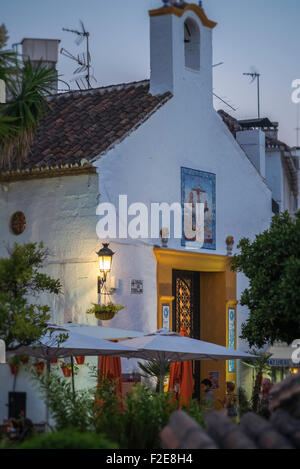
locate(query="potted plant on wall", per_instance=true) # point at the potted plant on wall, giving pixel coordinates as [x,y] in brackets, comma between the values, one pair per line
[39,366]
[24,359]
[80,360]
[66,369]
[105,312]
[14,364]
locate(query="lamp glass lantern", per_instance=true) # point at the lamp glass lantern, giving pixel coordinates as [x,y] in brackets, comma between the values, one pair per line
[105,260]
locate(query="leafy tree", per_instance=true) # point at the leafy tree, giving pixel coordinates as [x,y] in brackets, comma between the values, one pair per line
[272,264]
[23,322]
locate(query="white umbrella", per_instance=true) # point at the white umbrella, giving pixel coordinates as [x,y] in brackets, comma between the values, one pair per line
[164,346]
[48,347]
[99,332]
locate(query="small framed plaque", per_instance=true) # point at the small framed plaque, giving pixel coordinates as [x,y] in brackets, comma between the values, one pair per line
[137,287]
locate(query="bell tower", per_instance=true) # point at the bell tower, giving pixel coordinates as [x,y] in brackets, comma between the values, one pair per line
[181,49]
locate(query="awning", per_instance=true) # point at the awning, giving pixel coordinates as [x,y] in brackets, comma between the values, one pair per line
[281,356]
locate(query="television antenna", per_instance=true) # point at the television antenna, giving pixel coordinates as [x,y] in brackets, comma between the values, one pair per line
[219,97]
[83,60]
[255,76]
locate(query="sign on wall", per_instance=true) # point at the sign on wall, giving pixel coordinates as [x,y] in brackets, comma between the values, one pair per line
[231,337]
[166,317]
[199,187]
[137,287]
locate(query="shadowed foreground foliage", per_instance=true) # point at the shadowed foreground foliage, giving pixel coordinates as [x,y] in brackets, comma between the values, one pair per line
[134,424]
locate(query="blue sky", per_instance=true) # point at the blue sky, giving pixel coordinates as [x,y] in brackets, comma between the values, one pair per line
[263,34]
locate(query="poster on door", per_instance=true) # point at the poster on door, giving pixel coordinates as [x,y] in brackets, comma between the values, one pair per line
[214,377]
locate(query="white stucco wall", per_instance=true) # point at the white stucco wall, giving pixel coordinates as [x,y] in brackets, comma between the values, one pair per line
[253,142]
[61,213]
[279,182]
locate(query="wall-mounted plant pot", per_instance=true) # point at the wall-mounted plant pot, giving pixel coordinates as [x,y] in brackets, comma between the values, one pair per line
[80,360]
[66,371]
[24,359]
[105,312]
[39,367]
[105,315]
[14,369]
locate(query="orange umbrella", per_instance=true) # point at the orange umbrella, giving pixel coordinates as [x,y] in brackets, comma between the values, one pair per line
[181,378]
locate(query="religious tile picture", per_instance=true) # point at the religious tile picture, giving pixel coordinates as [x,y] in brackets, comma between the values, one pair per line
[199,187]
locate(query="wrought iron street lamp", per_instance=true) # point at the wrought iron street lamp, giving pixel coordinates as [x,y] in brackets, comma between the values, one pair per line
[105,261]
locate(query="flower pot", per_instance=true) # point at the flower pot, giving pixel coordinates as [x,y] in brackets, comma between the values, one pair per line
[105,312]
[54,361]
[24,360]
[66,371]
[80,360]
[14,369]
[105,315]
[39,367]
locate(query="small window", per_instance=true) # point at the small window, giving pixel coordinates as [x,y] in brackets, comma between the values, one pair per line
[192,44]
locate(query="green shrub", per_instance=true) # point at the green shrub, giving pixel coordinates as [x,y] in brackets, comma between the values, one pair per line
[68,409]
[134,424]
[146,414]
[68,439]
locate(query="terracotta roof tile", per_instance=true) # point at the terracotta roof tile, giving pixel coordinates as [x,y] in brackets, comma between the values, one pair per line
[87,123]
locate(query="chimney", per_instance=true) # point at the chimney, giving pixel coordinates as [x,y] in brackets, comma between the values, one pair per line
[181,50]
[253,142]
[41,50]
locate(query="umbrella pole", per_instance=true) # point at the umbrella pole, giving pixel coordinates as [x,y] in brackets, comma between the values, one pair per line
[47,397]
[72,372]
[162,377]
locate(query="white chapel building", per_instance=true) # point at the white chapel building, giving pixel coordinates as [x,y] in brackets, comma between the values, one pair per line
[156,141]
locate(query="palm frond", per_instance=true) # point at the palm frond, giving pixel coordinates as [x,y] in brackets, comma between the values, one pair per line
[8,65]
[28,104]
[152,369]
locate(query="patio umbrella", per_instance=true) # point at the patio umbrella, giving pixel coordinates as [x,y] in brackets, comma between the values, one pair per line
[76,344]
[48,348]
[99,332]
[164,346]
[181,376]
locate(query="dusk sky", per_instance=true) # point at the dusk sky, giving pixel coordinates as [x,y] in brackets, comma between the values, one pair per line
[261,35]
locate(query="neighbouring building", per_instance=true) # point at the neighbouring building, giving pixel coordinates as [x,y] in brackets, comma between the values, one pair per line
[279,164]
[155,141]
